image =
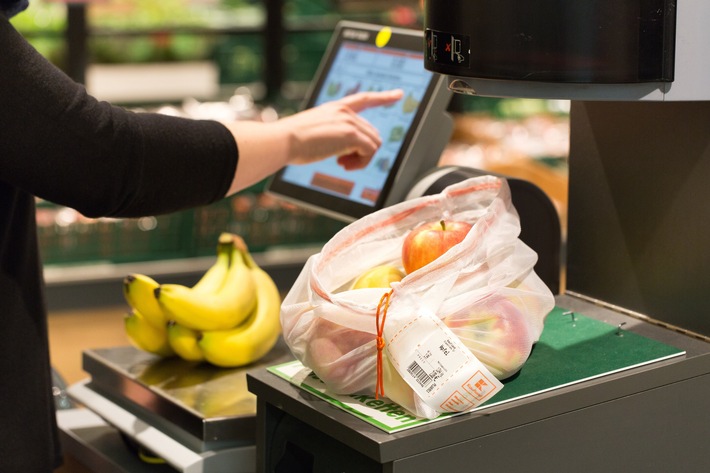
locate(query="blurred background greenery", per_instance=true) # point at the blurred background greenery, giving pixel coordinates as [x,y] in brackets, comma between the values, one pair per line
[231,34]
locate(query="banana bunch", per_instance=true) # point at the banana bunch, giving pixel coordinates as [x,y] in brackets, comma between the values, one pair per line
[229,318]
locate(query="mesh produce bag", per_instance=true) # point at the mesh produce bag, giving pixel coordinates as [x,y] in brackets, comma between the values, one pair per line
[442,338]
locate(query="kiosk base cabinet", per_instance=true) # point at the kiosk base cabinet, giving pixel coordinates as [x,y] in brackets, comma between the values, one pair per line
[293,446]
[659,430]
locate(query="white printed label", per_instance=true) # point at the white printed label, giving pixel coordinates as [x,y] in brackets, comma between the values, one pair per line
[438,366]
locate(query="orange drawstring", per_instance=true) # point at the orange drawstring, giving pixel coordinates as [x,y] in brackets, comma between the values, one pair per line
[379,386]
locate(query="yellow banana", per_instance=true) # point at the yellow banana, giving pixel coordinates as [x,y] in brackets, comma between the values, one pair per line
[253,339]
[139,289]
[183,341]
[145,336]
[214,277]
[224,309]
[139,292]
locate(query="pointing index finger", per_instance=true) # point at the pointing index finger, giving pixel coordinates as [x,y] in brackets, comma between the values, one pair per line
[362,100]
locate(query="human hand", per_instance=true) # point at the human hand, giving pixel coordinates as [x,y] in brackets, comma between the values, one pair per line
[336,129]
[331,129]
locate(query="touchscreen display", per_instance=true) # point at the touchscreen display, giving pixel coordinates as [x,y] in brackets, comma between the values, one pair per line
[356,67]
[414,131]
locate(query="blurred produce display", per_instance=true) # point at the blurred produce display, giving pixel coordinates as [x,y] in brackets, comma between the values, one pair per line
[228,32]
[522,138]
[43,23]
[170,30]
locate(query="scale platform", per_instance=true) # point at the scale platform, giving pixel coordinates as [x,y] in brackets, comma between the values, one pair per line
[181,416]
[203,407]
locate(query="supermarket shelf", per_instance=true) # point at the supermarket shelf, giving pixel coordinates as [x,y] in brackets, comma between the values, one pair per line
[155,82]
[99,284]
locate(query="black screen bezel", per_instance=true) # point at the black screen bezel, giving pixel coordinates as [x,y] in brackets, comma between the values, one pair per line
[410,40]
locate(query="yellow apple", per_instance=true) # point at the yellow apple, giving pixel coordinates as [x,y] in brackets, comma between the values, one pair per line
[379,276]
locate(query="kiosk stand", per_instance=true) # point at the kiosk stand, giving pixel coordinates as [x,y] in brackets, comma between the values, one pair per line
[636,236]
[637,256]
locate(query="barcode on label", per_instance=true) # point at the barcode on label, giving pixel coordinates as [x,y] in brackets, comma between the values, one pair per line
[419,374]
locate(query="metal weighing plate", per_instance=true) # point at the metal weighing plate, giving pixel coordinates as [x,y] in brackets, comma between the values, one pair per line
[200,405]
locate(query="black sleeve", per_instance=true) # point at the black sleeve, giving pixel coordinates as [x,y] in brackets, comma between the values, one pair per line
[60,144]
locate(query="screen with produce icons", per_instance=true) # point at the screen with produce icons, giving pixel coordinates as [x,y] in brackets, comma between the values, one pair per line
[358,61]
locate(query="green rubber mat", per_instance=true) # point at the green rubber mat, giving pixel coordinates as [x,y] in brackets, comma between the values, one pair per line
[572,348]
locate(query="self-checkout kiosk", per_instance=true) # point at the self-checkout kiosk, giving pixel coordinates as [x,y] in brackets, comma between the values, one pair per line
[632,396]
[636,250]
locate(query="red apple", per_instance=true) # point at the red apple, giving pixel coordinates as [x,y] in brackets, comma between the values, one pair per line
[496,332]
[335,355]
[430,240]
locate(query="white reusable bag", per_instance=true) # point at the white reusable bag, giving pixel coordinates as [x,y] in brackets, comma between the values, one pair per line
[482,294]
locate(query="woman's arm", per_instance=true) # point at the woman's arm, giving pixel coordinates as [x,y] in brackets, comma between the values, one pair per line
[59,143]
